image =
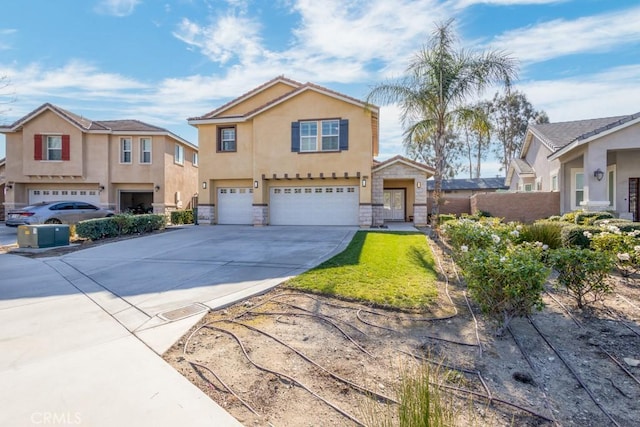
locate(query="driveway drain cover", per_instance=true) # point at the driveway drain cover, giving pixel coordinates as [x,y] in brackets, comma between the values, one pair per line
[182,312]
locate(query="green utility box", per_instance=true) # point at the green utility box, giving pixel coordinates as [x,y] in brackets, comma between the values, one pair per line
[43,236]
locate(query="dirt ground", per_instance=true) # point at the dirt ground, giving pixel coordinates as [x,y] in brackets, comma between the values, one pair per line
[292,359]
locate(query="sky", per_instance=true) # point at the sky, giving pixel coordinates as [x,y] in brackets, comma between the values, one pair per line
[164,61]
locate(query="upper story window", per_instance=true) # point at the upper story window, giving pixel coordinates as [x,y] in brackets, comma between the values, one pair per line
[51,147]
[227,139]
[125,150]
[178,156]
[145,150]
[195,159]
[54,147]
[310,136]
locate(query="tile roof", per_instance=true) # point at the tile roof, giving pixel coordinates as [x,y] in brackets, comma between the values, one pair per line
[129,126]
[561,134]
[470,184]
[523,166]
[296,88]
[399,158]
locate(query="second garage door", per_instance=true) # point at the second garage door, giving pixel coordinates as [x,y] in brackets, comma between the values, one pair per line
[235,206]
[335,205]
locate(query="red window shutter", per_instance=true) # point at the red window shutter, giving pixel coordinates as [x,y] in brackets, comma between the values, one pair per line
[37,147]
[66,149]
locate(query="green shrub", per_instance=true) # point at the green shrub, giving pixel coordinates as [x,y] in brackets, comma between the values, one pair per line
[569,217]
[578,235]
[615,221]
[182,217]
[119,225]
[442,218]
[554,218]
[587,218]
[622,247]
[547,232]
[583,273]
[505,284]
[486,233]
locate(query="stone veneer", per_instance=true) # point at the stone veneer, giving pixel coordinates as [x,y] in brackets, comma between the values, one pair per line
[206,214]
[400,170]
[365,216]
[260,215]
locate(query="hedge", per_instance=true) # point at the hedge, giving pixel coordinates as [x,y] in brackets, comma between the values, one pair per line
[588,218]
[182,217]
[119,225]
[574,235]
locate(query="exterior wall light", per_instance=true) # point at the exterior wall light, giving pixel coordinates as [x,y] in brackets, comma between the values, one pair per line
[101,188]
[255,184]
[157,187]
[419,184]
[598,174]
[204,185]
[364,182]
[9,185]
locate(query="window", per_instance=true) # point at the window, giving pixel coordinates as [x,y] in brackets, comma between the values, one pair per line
[319,135]
[194,159]
[308,136]
[528,187]
[145,150]
[577,188]
[179,154]
[54,147]
[227,139]
[554,183]
[539,184]
[330,135]
[125,150]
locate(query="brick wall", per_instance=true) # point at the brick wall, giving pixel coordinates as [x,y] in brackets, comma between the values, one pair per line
[453,205]
[523,207]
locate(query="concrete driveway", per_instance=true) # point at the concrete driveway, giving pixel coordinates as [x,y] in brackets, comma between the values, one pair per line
[8,235]
[81,333]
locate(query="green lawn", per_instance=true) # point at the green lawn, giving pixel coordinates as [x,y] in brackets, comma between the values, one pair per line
[383,268]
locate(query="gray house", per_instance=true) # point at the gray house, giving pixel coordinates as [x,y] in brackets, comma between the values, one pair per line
[594,164]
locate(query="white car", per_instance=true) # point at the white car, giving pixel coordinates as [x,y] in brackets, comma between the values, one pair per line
[60,212]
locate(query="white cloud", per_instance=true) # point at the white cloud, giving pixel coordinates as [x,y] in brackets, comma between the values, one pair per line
[609,93]
[467,3]
[560,37]
[116,7]
[5,33]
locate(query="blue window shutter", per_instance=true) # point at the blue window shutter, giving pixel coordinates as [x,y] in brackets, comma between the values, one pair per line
[344,134]
[295,137]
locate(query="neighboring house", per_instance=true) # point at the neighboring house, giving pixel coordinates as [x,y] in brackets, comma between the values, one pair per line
[288,153]
[593,164]
[457,192]
[3,187]
[53,154]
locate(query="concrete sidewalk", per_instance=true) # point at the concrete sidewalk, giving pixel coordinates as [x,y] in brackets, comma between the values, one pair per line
[82,333]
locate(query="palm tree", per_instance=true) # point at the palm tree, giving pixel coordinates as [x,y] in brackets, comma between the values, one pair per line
[439,81]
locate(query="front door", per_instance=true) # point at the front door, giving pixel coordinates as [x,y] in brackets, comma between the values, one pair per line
[394,205]
[634,198]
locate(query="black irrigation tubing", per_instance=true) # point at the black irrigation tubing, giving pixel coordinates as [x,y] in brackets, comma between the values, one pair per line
[287,377]
[536,370]
[577,322]
[284,313]
[317,365]
[573,372]
[194,364]
[628,302]
[427,336]
[325,316]
[489,396]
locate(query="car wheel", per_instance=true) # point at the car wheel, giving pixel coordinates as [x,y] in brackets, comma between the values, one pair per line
[53,221]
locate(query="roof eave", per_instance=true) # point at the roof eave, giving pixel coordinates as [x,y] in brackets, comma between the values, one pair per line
[216,121]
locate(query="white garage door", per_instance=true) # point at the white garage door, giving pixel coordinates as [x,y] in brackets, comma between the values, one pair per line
[37,196]
[235,206]
[335,205]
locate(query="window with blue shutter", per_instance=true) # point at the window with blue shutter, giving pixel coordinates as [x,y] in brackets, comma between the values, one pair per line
[295,137]
[344,134]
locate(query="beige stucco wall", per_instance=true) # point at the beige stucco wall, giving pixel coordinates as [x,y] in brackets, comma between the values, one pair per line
[94,162]
[264,146]
[259,99]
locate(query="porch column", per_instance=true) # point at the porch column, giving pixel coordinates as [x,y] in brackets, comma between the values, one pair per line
[595,190]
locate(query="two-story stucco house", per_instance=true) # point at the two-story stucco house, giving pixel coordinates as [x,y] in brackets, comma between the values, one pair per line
[594,164]
[288,153]
[53,154]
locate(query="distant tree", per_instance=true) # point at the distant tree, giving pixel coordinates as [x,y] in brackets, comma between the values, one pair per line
[475,125]
[422,148]
[511,114]
[438,83]
[6,95]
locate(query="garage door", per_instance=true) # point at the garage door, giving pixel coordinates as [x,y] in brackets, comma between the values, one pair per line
[335,205]
[37,196]
[235,206]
